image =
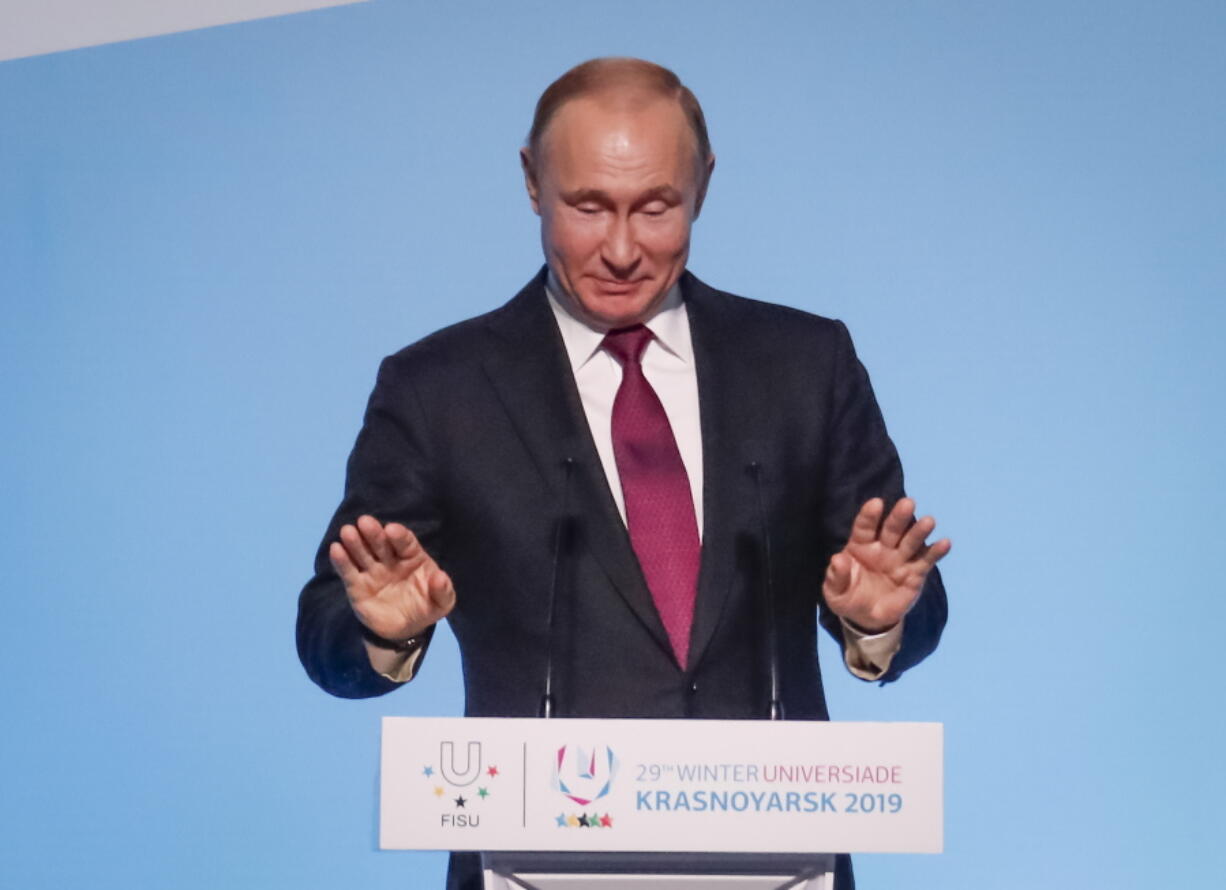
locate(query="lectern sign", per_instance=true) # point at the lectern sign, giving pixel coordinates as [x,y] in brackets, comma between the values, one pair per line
[660,785]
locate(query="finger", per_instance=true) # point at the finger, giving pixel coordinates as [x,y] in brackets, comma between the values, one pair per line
[407,547]
[403,541]
[442,591]
[864,526]
[838,575]
[912,543]
[356,548]
[937,551]
[342,563]
[376,541]
[897,523]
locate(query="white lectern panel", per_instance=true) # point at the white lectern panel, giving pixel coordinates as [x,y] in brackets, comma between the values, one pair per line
[661,785]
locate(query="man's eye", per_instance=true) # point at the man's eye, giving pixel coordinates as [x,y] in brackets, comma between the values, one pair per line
[655,208]
[589,209]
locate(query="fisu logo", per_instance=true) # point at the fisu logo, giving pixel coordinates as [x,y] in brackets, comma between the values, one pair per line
[452,771]
[584,774]
[462,769]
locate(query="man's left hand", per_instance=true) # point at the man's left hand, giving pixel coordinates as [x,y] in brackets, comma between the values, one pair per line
[876,578]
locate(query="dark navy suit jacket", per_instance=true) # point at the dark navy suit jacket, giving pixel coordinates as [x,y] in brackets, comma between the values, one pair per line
[465,440]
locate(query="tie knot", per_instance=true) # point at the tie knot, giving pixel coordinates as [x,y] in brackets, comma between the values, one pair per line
[627,344]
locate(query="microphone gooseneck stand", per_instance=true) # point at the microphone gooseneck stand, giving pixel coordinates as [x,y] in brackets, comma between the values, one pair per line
[548,704]
[775,702]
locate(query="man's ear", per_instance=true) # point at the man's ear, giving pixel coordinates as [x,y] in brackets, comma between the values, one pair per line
[530,180]
[705,180]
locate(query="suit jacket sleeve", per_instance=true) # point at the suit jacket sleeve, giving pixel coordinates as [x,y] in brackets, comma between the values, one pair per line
[862,463]
[389,477]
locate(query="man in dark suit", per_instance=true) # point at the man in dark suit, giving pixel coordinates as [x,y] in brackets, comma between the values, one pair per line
[674,433]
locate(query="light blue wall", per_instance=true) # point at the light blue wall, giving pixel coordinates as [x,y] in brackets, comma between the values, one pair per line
[208,240]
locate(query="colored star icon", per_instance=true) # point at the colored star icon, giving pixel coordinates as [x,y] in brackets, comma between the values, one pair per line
[427,771]
[561,820]
[606,821]
[482,793]
[460,801]
[493,771]
[583,823]
[438,790]
[573,821]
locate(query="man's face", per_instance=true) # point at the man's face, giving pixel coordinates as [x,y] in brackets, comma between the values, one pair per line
[617,188]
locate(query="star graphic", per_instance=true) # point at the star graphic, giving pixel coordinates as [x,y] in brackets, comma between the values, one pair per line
[561,820]
[583,821]
[438,790]
[481,792]
[427,771]
[460,801]
[573,821]
[493,771]
[606,821]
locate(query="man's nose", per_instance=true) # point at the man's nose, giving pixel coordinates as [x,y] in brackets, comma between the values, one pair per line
[620,250]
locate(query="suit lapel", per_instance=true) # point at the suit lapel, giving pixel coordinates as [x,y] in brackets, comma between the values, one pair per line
[529,370]
[725,390]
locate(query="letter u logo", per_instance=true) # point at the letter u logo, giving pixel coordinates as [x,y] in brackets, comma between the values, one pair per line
[452,773]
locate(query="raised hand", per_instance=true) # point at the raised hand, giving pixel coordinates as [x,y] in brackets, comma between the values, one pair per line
[876,578]
[394,586]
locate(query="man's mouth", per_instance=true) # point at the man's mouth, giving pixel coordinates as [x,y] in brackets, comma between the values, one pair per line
[617,286]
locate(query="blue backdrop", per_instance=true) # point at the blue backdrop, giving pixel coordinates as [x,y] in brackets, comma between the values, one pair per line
[208,240]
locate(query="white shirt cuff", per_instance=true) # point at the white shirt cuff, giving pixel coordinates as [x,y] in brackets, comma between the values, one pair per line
[868,656]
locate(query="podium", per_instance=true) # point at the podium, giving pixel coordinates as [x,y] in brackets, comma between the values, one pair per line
[564,804]
[657,871]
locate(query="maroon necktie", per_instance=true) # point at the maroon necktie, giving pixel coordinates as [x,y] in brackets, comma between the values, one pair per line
[659,505]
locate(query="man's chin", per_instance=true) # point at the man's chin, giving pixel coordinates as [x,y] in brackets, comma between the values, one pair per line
[618,310]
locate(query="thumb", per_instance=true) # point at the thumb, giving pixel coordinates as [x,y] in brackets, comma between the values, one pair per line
[838,575]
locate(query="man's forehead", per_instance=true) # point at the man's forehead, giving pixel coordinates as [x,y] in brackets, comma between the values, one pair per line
[586,128]
[593,116]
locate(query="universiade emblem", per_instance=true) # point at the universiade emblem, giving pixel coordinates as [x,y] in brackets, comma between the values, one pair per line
[584,774]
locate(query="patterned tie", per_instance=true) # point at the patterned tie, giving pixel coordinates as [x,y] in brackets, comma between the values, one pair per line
[659,505]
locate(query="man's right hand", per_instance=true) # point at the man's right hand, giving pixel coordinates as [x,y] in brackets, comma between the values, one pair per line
[394,586]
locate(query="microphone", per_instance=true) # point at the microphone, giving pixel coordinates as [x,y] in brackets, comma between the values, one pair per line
[559,540]
[775,703]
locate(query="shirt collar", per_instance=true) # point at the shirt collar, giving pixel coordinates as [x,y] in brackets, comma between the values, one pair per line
[670,325]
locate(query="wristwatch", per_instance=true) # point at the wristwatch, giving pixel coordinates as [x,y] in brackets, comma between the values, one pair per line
[395,645]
